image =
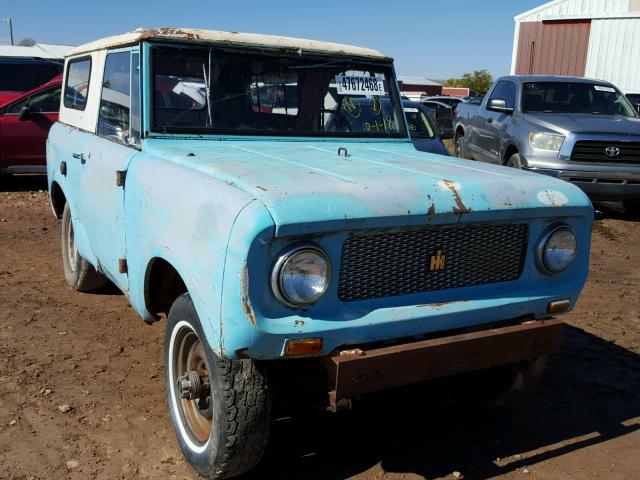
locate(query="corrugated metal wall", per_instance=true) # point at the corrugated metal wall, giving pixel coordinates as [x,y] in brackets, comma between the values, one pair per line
[580,7]
[553,48]
[614,52]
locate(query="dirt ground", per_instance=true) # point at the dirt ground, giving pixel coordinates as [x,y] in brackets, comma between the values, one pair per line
[90,354]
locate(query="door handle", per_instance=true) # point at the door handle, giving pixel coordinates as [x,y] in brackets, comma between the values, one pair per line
[79,156]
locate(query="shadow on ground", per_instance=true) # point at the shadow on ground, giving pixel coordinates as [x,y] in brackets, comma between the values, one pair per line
[590,389]
[22,183]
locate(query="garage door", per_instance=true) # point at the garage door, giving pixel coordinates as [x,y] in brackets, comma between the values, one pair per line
[553,48]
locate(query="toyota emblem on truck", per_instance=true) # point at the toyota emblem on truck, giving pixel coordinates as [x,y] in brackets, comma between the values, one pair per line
[612,151]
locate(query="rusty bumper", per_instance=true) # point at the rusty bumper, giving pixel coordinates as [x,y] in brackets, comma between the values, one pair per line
[356,372]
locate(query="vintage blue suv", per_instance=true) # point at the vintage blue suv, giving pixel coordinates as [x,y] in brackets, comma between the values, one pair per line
[230,182]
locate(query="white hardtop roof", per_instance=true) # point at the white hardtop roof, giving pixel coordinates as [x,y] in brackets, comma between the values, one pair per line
[226,39]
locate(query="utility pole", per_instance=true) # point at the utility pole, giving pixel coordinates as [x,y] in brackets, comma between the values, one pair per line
[10,22]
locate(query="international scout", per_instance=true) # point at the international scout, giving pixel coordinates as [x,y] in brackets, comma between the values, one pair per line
[231,183]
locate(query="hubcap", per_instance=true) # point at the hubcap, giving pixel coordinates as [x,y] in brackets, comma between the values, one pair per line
[191,385]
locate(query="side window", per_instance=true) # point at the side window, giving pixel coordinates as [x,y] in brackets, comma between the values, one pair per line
[42,102]
[77,83]
[509,94]
[498,92]
[114,115]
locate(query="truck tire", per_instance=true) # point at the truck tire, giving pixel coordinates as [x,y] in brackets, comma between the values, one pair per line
[515,161]
[632,207]
[461,151]
[79,274]
[220,408]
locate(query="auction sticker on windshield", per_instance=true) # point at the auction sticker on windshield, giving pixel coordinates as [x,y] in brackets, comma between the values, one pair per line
[348,85]
[602,88]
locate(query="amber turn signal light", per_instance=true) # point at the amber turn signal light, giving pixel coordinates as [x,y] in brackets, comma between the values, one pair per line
[305,346]
[559,306]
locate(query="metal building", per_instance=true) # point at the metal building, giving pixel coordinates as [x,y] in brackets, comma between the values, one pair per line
[586,38]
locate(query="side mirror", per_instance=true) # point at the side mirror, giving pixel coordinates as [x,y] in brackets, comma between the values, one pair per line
[25,113]
[499,105]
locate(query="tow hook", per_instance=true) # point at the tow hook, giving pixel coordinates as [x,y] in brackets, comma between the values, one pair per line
[191,387]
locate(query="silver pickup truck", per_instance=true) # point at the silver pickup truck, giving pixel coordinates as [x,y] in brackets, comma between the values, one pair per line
[580,130]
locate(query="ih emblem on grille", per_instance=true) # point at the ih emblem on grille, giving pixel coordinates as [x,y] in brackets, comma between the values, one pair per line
[437,261]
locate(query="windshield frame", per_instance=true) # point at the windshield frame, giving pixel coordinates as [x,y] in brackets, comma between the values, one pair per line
[591,84]
[385,65]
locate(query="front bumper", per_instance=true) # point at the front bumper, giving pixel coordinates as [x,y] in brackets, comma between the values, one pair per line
[356,372]
[599,185]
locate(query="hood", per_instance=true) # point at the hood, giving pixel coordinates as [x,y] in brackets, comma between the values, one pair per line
[307,187]
[585,123]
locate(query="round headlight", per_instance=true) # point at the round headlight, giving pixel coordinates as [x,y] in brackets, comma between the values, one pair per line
[559,249]
[301,275]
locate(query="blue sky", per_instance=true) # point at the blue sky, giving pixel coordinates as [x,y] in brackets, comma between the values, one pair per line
[438,39]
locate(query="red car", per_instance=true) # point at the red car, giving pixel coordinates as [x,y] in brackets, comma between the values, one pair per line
[24,127]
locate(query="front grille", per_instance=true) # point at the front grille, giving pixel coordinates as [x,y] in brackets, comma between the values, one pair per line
[399,263]
[592,151]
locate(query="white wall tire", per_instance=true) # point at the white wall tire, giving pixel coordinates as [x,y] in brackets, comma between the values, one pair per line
[236,404]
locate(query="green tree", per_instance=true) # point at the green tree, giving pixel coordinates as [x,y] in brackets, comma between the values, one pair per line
[27,42]
[478,80]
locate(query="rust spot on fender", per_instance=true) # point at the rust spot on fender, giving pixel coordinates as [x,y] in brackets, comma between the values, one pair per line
[244,295]
[460,207]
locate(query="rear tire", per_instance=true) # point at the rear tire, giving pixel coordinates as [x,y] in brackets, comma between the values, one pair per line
[461,151]
[79,274]
[224,431]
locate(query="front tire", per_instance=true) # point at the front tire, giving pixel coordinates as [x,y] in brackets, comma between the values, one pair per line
[220,408]
[461,151]
[79,274]
[515,161]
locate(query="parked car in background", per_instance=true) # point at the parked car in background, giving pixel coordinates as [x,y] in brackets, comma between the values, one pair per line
[634,98]
[446,99]
[19,75]
[579,130]
[24,126]
[442,116]
[310,250]
[424,133]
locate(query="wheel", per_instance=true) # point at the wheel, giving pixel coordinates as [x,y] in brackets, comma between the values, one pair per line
[220,408]
[79,274]
[632,207]
[515,161]
[461,152]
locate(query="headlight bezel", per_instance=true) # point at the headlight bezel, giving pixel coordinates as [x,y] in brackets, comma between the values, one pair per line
[542,247]
[278,267]
[535,137]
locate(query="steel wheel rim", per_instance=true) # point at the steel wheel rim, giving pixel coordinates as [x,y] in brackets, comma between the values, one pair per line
[72,252]
[196,415]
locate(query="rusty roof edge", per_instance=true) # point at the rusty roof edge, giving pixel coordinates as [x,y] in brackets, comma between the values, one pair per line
[228,39]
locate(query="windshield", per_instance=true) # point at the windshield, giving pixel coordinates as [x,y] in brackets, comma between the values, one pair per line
[203,90]
[418,123]
[574,97]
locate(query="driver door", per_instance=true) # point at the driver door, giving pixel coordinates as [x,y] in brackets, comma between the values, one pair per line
[106,157]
